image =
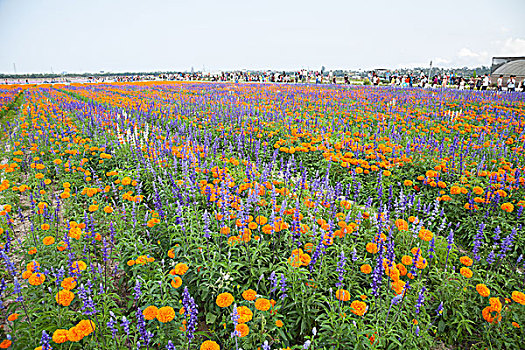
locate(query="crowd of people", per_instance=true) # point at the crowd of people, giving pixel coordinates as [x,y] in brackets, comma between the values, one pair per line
[481,83]
[304,76]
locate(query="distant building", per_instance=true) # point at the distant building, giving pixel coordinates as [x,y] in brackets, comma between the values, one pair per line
[508,66]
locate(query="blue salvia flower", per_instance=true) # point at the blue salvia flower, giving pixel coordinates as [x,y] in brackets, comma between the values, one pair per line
[431,250]
[283,287]
[141,324]
[273,279]
[439,310]
[354,255]
[377,273]
[477,242]
[125,324]
[420,299]
[491,258]
[191,311]
[235,320]
[170,346]
[45,341]
[17,289]
[506,245]
[137,293]
[207,222]
[266,346]
[3,287]
[497,232]
[341,269]
[395,300]
[111,325]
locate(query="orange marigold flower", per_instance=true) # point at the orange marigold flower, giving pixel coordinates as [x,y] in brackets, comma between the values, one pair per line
[426,235]
[279,323]
[358,307]
[342,294]
[176,282]
[371,248]
[108,209]
[482,290]
[5,344]
[398,286]
[508,207]
[60,336]
[150,312]
[74,334]
[61,246]
[465,260]
[210,345]
[37,279]
[402,269]
[515,325]
[166,314]
[249,295]
[86,327]
[180,269]
[478,190]
[13,317]
[245,314]
[32,266]
[171,254]
[262,304]
[487,315]
[401,225]
[466,272]
[48,240]
[69,283]
[495,304]
[242,329]
[64,297]
[224,299]
[45,227]
[77,266]
[406,260]
[366,269]
[518,297]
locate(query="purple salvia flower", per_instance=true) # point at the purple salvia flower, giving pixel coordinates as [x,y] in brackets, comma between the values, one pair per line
[136,289]
[45,341]
[191,311]
[477,242]
[283,287]
[506,245]
[235,320]
[431,248]
[125,324]
[439,310]
[273,279]
[491,258]
[420,299]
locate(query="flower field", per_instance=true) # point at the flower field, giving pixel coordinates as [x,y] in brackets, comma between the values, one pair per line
[261,216]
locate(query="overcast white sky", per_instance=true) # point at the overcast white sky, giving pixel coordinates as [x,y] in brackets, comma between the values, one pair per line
[159,35]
